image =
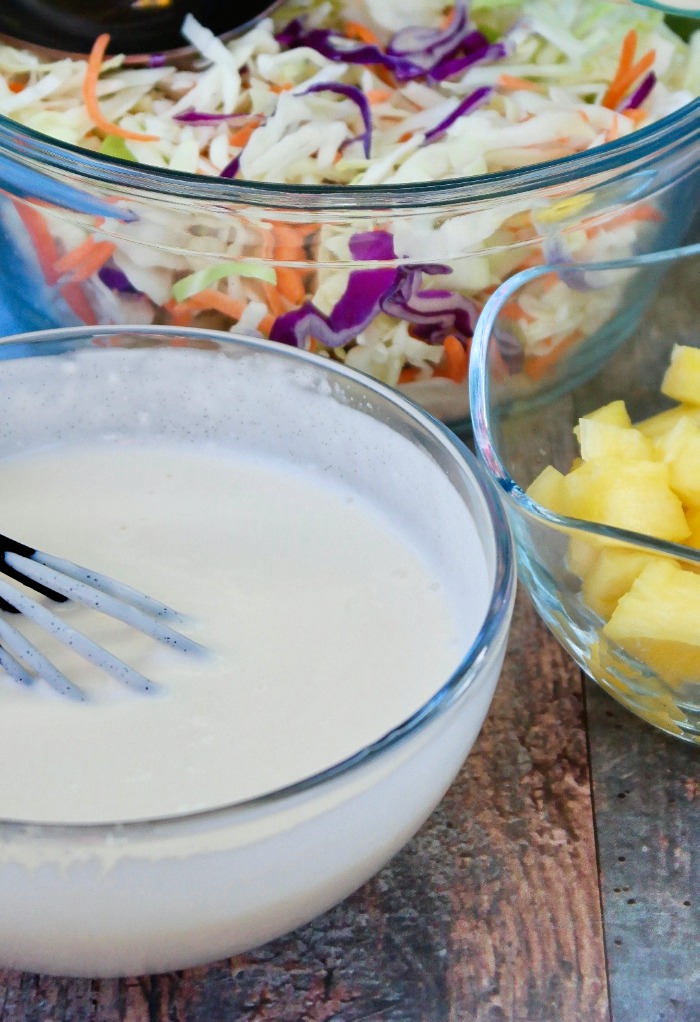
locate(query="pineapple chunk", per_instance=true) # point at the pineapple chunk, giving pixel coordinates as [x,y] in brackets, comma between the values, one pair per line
[602,439]
[547,489]
[613,668]
[656,426]
[680,449]
[614,414]
[662,605]
[581,555]
[632,495]
[682,378]
[611,576]
[692,516]
[677,663]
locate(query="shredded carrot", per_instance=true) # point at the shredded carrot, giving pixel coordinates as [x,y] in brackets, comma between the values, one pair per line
[265,325]
[311,345]
[102,251]
[548,280]
[635,114]
[42,239]
[278,87]
[86,259]
[533,259]
[17,86]
[498,367]
[276,302]
[613,131]
[290,284]
[384,75]
[178,313]
[513,82]
[217,300]
[74,297]
[643,211]
[514,311]
[92,106]
[409,374]
[447,18]
[537,366]
[73,258]
[240,138]
[642,65]
[355,30]
[289,242]
[374,96]
[455,361]
[626,61]
[627,70]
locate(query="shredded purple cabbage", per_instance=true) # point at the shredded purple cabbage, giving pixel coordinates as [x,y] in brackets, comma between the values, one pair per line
[351,314]
[337,47]
[358,97]
[414,52]
[557,254]
[469,102]
[198,117]
[641,92]
[510,349]
[433,313]
[231,168]
[427,46]
[370,246]
[157,60]
[469,53]
[396,291]
[114,279]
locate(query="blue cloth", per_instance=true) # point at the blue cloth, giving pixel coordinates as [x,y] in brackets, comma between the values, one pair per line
[11,322]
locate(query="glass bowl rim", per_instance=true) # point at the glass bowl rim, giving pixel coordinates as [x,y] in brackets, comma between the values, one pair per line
[486,447]
[679,129]
[493,628]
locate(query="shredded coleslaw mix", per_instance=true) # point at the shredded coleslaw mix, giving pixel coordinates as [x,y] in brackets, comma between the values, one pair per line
[331,93]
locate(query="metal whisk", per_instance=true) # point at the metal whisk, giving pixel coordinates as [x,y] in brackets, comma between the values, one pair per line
[62,581]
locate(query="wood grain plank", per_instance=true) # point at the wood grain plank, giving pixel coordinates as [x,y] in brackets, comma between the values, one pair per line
[647,801]
[527,942]
[490,913]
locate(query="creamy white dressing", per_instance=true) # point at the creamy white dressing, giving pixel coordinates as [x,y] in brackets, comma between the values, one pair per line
[324,629]
[326,623]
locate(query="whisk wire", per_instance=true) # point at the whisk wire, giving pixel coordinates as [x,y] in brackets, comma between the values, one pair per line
[64,581]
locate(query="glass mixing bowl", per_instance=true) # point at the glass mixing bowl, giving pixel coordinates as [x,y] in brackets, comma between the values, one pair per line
[442,246]
[138,896]
[616,598]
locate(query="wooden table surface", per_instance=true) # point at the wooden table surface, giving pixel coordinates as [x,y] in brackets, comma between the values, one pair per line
[558,881]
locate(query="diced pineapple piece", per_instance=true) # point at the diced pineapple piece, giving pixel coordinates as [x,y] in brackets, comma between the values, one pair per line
[680,449]
[632,495]
[581,554]
[547,489]
[675,662]
[614,414]
[603,439]
[615,670]
[682,378]
[663,605]
[692,516]
[611,576]
[658,425]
